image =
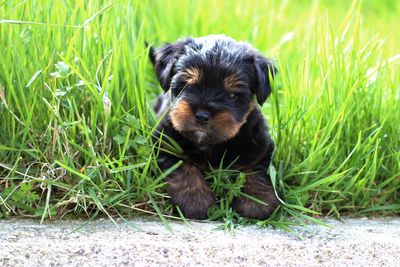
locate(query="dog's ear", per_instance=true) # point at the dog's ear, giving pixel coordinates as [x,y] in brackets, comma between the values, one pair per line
[265,71]
[164,59]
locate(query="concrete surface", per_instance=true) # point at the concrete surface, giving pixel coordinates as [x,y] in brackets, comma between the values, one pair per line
[357,242]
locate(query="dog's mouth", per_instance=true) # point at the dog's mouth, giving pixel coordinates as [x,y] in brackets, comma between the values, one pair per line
[202,135]
[218,128]
[213,132]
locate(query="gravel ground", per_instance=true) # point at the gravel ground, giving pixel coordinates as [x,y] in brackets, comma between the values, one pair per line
[356,242]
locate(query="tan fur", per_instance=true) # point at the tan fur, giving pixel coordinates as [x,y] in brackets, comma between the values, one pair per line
[181,116]
[192,75]
[189,191]
[252,105]
[232,82]
[192,180]
[227,125]
[188,177]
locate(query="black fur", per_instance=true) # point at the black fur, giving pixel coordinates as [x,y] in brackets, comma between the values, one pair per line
[229,77]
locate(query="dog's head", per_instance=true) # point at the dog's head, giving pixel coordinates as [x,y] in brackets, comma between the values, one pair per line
[215,83]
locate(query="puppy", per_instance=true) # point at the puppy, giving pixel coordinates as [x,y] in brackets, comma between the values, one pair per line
[215,85]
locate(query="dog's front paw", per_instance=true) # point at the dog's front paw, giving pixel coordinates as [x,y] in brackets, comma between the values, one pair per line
[259,188]
[251,209]
[194,204]
[189,192]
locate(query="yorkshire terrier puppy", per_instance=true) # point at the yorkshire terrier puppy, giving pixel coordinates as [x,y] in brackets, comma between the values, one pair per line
[215,85]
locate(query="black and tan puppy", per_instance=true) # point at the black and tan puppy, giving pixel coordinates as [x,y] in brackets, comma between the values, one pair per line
[215,85]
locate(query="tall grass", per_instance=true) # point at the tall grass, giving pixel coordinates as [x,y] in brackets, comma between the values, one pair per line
[76,88]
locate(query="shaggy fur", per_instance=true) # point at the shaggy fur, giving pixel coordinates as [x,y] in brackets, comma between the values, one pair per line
[215,85]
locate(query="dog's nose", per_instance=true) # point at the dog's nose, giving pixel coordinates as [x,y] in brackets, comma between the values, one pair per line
[202,116]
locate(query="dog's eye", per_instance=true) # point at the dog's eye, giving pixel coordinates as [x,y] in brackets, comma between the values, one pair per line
[233,96]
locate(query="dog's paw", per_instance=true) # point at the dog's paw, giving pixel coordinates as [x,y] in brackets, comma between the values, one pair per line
[194,204]
[259,188]
[253,210]
[189,192]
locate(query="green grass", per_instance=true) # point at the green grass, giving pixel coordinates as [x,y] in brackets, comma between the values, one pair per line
[76,88]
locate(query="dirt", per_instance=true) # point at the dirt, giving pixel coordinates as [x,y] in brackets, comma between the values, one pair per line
[145,242]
